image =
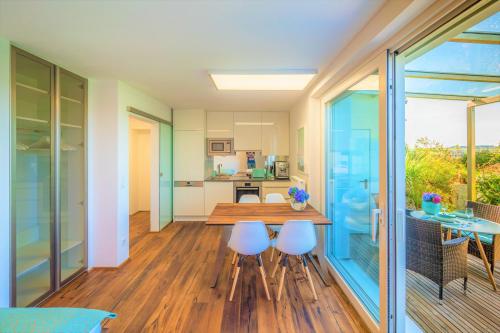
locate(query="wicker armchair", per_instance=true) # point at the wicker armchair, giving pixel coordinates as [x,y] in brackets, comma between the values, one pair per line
[427,254]
[492,251]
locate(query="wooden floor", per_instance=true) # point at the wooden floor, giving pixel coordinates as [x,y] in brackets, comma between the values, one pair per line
[164,287]
[476,312]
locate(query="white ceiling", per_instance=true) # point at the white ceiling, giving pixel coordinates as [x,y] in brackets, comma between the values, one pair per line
[167,48]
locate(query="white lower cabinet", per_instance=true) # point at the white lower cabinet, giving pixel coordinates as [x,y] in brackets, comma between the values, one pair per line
[189,201]
[276,187]
[217,192]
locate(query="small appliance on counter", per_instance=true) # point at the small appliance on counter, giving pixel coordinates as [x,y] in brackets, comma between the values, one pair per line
[258,173]
[281,170]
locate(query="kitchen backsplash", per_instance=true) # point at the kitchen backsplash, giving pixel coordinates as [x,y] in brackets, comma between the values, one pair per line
[237,162]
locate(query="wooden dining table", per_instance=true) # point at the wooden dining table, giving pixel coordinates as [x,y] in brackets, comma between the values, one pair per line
[227,214]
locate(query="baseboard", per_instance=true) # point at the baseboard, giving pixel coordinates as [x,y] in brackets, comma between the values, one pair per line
[190,218]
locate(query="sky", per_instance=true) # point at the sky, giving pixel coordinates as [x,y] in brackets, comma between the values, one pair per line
[446,122]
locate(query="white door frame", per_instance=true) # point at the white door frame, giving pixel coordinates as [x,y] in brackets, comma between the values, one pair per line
[379,63]
[154,217]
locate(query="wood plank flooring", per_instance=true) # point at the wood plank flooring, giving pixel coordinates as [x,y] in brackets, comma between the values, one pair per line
[164,287]
[476,312]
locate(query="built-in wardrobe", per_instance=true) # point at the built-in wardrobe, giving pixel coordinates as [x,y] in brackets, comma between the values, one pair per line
[48,179]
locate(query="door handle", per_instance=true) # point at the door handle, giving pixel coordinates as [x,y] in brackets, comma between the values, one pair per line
[365,183]
[374,223]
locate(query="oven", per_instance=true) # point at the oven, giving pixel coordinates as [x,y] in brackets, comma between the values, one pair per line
[217,147]
[242,188]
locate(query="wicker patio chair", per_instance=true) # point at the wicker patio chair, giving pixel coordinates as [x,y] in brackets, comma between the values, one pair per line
[438,260]
[492,251]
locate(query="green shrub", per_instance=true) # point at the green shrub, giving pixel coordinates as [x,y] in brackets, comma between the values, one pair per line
[488,188]
[430,167]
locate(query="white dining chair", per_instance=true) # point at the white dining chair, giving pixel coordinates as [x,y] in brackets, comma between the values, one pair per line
[249,198]
[274,198]
[296,238]
[246,199]
[249,238]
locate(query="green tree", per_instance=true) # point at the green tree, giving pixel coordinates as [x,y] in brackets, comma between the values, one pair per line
[430,167]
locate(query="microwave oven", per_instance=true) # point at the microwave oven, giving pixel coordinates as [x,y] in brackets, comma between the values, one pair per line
[217,147]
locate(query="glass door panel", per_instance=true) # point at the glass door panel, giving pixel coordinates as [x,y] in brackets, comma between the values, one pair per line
[166,176]
[71,174]
[353,189]
[32,179]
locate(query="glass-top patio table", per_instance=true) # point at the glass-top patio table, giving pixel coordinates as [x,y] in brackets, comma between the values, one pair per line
[473,225]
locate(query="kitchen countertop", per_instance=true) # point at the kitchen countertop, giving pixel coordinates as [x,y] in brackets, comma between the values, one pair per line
[243,179]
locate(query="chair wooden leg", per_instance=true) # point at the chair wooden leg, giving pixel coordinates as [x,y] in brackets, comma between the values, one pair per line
[272,255]
[276,266]
[282,278]
[234,258]
[263,275]
[235,265]
[235,280]
[308,273]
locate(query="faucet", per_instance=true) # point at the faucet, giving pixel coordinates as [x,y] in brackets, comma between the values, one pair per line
[219,166]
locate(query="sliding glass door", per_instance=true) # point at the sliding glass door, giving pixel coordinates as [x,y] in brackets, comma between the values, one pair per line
[166,175]
[355,188]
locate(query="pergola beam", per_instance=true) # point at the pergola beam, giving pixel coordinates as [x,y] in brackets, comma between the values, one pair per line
[453,76]
[477,38]
[441,96]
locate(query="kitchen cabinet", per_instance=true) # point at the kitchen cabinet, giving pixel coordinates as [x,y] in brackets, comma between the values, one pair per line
[217,192]
[276,187]
[189,120]
[189,155]
[220,125]
[189,200]
[248,131]
[275,133]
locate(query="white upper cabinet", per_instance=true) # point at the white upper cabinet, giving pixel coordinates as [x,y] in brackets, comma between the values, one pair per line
[275,133]
[189,155]
[220,125]
[189,120]
[247,131]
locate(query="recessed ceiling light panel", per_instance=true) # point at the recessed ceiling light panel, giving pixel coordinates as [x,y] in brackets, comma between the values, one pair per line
[296,80]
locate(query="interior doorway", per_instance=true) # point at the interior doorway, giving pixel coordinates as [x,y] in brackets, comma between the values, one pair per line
[144,169]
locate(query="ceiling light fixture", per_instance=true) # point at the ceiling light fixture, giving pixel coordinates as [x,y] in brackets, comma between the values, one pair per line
[289,80]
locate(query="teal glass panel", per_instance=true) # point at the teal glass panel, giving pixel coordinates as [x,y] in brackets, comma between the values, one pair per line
[462,58]
[352,190]
[32,180]
[451,88]
[72,175]
[166,175]
[491,24]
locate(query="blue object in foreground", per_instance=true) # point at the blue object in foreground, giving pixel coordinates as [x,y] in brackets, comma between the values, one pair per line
[51,320]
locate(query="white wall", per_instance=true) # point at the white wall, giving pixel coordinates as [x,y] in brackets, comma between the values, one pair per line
[390,25]
[102,173]
[108,167]
[140,170]
[4,172]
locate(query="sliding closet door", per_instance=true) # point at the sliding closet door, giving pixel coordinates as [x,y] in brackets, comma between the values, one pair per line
[31,178]
[166,175]
[71,174]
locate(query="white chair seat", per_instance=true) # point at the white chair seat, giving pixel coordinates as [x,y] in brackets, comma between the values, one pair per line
[249,238]
[249,198]
[296,238]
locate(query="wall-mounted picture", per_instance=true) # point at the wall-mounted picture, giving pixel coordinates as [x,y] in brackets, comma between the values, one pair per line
[300,149]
